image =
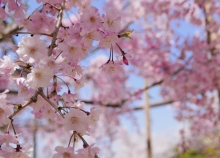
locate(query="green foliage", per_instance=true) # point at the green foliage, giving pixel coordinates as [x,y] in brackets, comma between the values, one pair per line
[191,154]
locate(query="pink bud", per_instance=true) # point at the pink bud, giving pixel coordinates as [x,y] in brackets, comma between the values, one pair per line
[125,61]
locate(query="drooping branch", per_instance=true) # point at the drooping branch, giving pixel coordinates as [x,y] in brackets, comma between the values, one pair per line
[157,104]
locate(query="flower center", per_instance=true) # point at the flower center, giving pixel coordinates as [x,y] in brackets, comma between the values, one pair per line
[73,69]
[74,120]
[23,89]
[72,49]
[1,111]
[48,111]
[110,22]
[83,49]
[92,19]
[38,75]
[32,50]
[89,36]
[112,68]
[50,64]
[18,155]
[66,155]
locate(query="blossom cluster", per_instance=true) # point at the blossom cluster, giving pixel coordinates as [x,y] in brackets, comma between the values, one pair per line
[50,59]
[52,51]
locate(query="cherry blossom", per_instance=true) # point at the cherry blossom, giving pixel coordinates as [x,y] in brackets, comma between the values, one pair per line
[111,67]
[31,49]
[76,120]
[94,115]
[88,152]
[111,21]
[108,40]
[39,77]
[23,90]
[72,50]
[5,110]
[7,138]
[90,19]
[64,152]
[56,56]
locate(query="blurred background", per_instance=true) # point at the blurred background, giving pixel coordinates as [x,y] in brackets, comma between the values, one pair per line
[164,104]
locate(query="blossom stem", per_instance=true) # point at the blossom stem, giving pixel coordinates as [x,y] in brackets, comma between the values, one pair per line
[12,125]
[21,32]
[7,130]
[84,142]
[55,33]
[48,100]
[16,112]
[35,10]
[64,83]
[122,52]
[111,50]
[53,6]
[58,55]
[71,138]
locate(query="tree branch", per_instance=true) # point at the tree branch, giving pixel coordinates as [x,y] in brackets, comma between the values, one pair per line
[55,33]
[162,103]
[32,99]
[51,103]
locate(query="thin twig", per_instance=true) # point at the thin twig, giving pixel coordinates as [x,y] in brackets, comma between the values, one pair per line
[12,125]
[32,99]
[51,103]
[21,32]
[53,6]
[71,138]
[64,83]
[55,33]
[155,105]
[84,142]
[23,106]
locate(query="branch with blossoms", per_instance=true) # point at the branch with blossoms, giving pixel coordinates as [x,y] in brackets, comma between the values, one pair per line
[47,51]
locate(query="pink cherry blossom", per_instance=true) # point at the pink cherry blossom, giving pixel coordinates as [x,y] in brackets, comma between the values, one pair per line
[18,155]
[94,115]
[73,70]
[111,20]
[50,63]
[19,12]
[108,40]
[69,98]
[7,138]
[88,152]
[90,19]
[39,77]
[31,49]
[64,152]
[88,38]
[111,67]
[73,3]
[23,90]
[76,120]
[72,50]
[7,66]
[5,109]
